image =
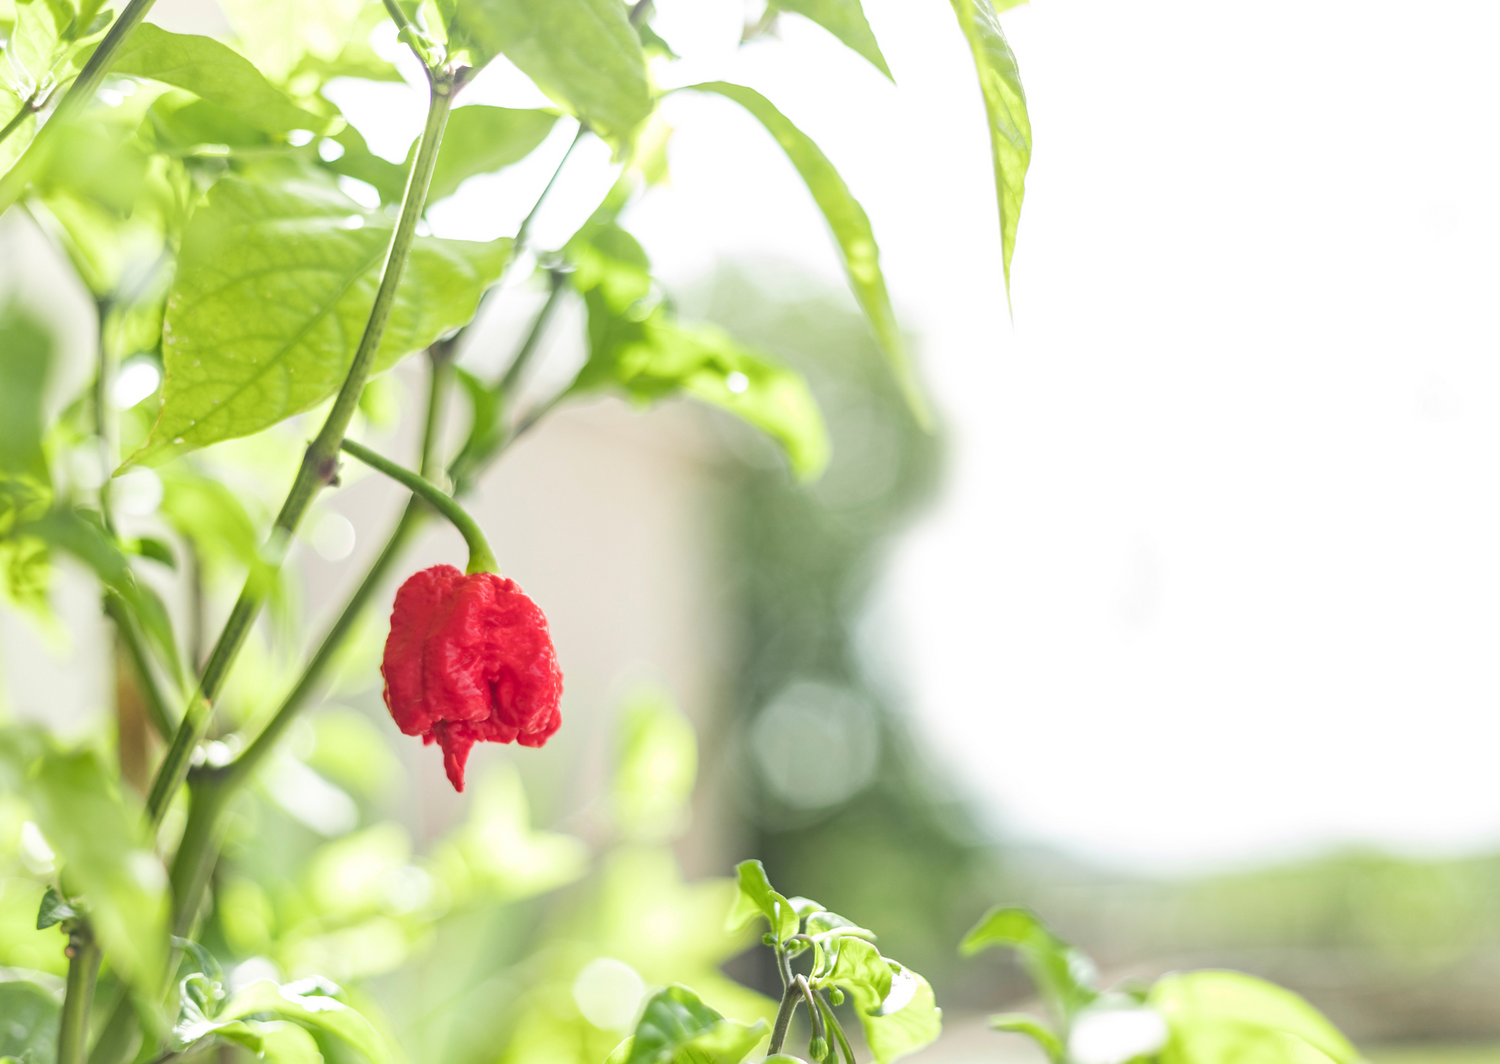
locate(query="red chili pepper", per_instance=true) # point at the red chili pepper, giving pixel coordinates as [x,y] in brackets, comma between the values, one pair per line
[469,659]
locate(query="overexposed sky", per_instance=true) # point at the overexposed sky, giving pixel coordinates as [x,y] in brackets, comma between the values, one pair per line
[1217,572]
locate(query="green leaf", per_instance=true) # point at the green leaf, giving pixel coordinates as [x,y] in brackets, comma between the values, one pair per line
[286,1043]
[482,139]
[1220,1017]
[359,162]
[678,1028]
[278,35]
[107,854]
[756,898]
[1062,974]
[657,764]
[25,363]
[1031,1027]
[851,229]
[582,53]
[656,358]
[274,287]
[845,19]
[310,1003]
[205,511]
[54,910]
[214,71]
[83,538]
[895,1005]
[29,1018]
[1005,105]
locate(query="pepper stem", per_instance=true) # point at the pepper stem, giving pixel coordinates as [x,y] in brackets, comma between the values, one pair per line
[481,558]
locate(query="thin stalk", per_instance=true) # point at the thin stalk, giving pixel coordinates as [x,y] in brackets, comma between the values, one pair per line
[319,463]
[28,107]
[79,93]
[533,340]
[156,704]
[791,997]
[481,558]
[837,1028]
[525,230]
[819,1032]
[83,969]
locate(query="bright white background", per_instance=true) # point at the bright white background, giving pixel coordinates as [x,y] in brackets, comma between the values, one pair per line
[1216,574]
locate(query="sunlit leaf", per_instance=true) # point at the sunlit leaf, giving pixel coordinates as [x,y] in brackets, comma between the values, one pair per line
[756,897]
[676,1027]
[845,19]
[1031,1027]
[274,287]
[359,162]
[310,1003]
[278,34]
[214,71]
[582,53]
[851,229]
[107,855]
[895,1005]
[1005,105]
[1063,975]
[480,140]
[29,1018]
[1219,1017]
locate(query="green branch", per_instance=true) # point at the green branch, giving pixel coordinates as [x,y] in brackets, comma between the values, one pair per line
[135,646]
[481,558]
[83,968]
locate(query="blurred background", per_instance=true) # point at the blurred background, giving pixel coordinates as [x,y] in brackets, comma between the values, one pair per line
[1180,629]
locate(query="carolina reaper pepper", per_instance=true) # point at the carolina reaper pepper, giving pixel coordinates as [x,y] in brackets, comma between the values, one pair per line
[469,659]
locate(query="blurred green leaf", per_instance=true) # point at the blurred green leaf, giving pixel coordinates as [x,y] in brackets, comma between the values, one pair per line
[309,1002]
[676,1027]
[1005,105]
[214,71]
[655,358]
[895,1005]
[359,162]
[582,53]
[208,513]
[278,35]
[25,363]
[757,898]
[107,854]
[1219,1017]
[480,140]
[352,751]
[54,910]
[274,286]
[1063,975]
[851,229]
[29,1018]
[845,19]
[182,121]
[1031,1027]
[656,767]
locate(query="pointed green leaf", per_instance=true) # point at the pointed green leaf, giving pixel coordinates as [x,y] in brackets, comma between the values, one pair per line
[851,229]
[54,910]
[845,19]
[274,287]
[106,852]
[757,898]
[1005,104]
[1063,975]
[1219,1017]
[215,72]
[676,1027]
[480,140]
[1031,1027]
[310,1003]
[582,53]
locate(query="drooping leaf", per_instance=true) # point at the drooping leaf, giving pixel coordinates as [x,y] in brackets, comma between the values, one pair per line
[582,53]
[1005,105]
[676,1027]
[756,897]
[311,1003]
[107,854]
[480,140]
[1063,975]
[851,230]
[845,19]
[274,287]
[655,358]
[895,1005]
[1219,1017]
[214,71]
[29,1018]
[1031,1027]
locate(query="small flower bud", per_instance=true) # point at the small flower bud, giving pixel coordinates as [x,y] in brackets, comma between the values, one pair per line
[818,1048]
[836,996]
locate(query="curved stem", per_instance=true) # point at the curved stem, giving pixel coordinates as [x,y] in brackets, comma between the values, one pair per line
[83,968]
[319,463]
[481,558]
[837,1028]
[790,998]
[812,1010]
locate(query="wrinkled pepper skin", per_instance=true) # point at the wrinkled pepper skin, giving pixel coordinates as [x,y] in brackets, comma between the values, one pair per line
[469,659]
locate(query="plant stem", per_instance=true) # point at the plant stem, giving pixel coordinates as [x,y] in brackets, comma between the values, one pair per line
[319,463]
[790,998]
[28,107]
[523,357]
[79,93]
[837,1028]
[525,230]
[83,968]
[130,635]
[481,558]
